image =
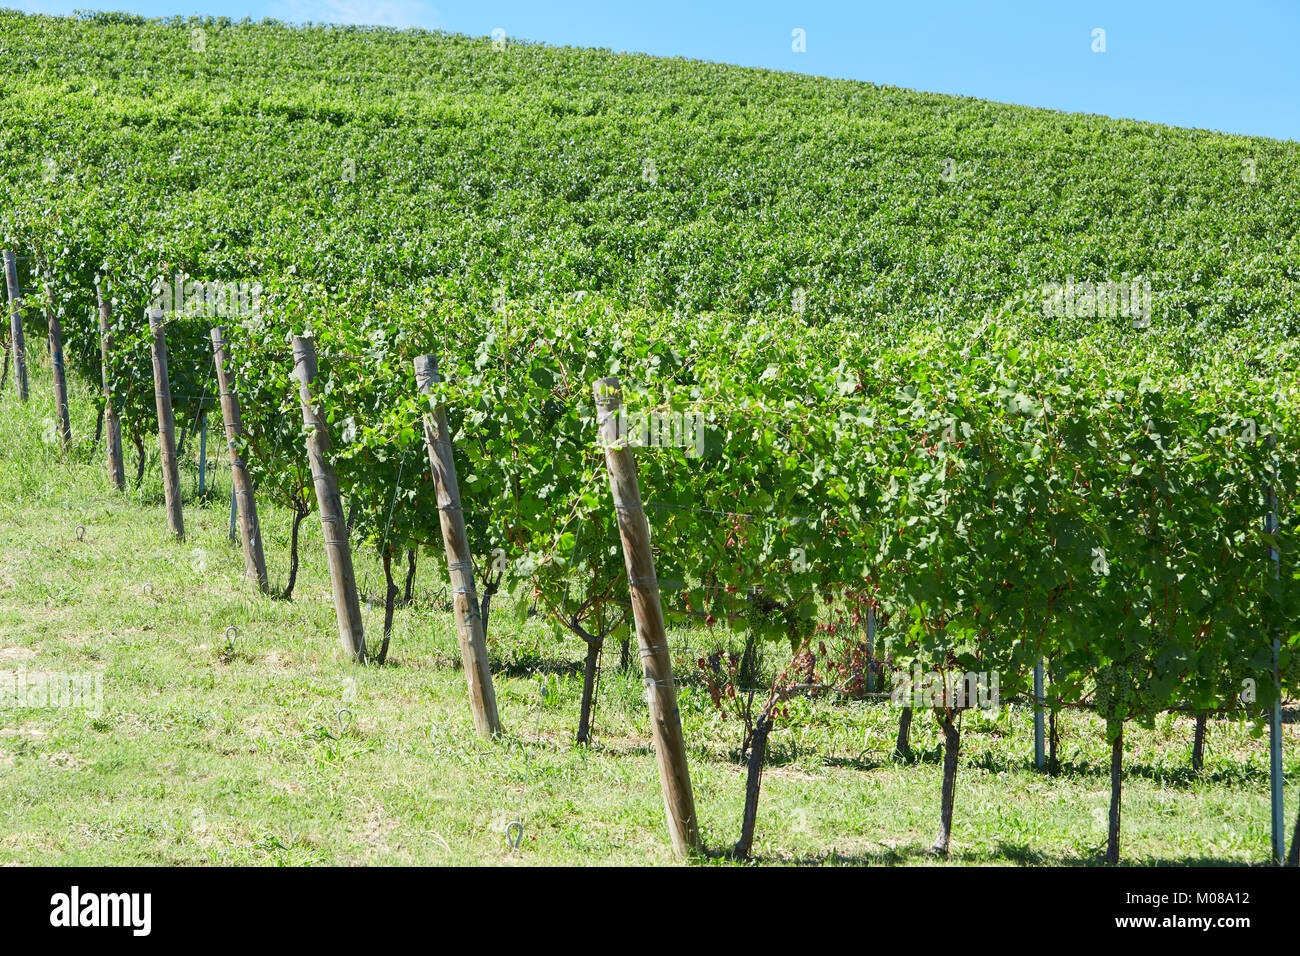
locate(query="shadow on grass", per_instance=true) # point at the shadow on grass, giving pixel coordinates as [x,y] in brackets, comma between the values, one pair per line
[865,761]
[531,665]
[1002,854]
[1175,776]
[782,753]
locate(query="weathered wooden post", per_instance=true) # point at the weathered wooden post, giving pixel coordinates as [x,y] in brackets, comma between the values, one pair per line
[1040,758]
[162,394]
[465,604]
[250,530]
[113,423]
[60,371]
[647,611]
[343,581]
[16,324]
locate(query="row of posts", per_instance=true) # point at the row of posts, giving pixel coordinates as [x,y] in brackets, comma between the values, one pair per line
[633,530]
[661,693]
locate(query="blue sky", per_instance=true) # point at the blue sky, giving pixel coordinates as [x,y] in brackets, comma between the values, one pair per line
[1230,66]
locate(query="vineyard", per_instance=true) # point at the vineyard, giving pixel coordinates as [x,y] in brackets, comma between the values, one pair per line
[741,395]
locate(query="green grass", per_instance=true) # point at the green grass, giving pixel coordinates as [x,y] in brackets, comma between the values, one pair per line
[202,756]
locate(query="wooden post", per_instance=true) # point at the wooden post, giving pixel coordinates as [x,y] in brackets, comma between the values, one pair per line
[465,604]
[251,533]
[1040,757]
[162,394]
[343,580]
[60,372]
[647,611]
[113,423]
[16,324]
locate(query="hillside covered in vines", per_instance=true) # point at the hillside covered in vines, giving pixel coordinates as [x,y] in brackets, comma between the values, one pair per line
[845,280]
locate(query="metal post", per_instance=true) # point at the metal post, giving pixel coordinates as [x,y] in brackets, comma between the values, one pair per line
[233,538]
[1275,718]
[203,450]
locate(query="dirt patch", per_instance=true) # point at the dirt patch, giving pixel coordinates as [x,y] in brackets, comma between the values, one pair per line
[275,660]
[23,731]
[624,744]
[68,761]
[375,833]
[16,653]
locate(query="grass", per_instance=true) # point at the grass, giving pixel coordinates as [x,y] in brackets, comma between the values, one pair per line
[276,751]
